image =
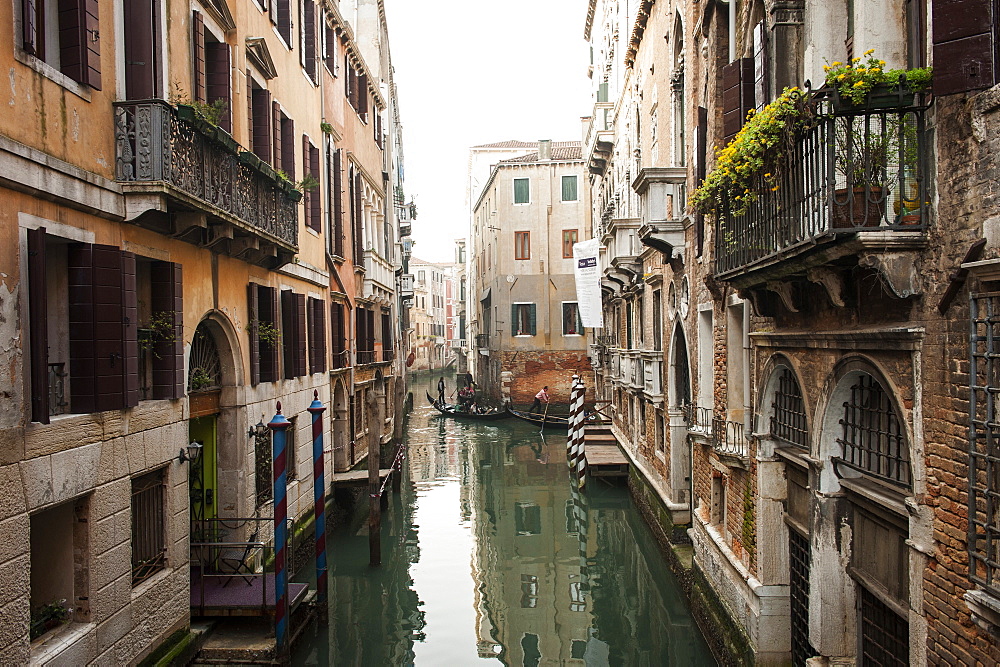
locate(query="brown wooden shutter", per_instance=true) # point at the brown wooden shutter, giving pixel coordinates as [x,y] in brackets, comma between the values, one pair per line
[737,95]
[338,204]
[285,20]
[288,146]
[701,170]
[307,195]
[272,10]
[300,348]
[198,39]
[330,52]
[262,124]
[167,297]
[359,244]
[279,155]
[267,312]
[38,326]
[370,329]
[309,27]
[363,96]
[252,323]
[217,80]
[318,333]
[30,34]
[250,112]
[99,301]
[293,326]
[79,41]
[92,42]
[140,53]
[130,331]
[964,50]
[310,160]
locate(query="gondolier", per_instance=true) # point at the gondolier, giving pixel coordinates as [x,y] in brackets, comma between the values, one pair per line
[541,397]
[441,388]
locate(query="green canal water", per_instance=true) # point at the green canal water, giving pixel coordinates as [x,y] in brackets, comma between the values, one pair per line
[491,556]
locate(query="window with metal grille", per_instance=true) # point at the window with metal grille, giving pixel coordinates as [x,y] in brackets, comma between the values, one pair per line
[148,529]
[872,440]
[798,593]
[262,460]
[885,636]
[984,442]
[789,419]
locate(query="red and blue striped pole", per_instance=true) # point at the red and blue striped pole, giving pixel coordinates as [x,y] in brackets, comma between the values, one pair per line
[279,425]
[319,495]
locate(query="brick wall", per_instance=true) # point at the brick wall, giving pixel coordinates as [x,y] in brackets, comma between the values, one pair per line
[530,371]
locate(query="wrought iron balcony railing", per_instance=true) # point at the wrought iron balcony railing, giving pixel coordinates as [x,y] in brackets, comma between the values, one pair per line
[728,438]
[154,145]
[366,356]
[699,419]
[849,172]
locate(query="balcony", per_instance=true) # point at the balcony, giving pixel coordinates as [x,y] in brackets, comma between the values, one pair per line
[699,420]
[662,199]
[623,249]
[379,276]
[406,286]
[180,181]
[729,439]
[652,374]
[599,142]
[854,192]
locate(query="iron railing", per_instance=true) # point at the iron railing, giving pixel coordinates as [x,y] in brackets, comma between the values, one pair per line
[57,389]
[154,145]
[366,356]
[340,359]
[607,340]
[698,419]
[728,438]
[847,172]
[388,354]
[149,549]
[232,548]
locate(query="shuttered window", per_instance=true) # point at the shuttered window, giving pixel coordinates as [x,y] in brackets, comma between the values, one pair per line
[142,52]
[737,95]
[311,196]
[337,214]
[309,38]
[284,141]
[77,49]
[283,19]
[522,318]
[338,338]
[38,323]
[522,191]
[166,296]
[262,309]
[317,335]
[293,333]
[964,33]
[330,49]
[357,213]
[572,325]
[198,40]
[261,122]
[217,81]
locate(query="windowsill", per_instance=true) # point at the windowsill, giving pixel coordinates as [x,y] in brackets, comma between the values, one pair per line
[305,73]
[573,335]
[52,74]
[281,37]
[145,586]
[527,203]
[312,231]
[47,648]
[524,335]
[985,610]
[877,493]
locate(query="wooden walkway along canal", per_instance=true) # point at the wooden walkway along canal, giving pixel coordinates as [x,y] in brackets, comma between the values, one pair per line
[604,456]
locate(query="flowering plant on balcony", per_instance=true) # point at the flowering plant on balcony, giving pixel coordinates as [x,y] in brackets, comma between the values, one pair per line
[856,79]
[759,147]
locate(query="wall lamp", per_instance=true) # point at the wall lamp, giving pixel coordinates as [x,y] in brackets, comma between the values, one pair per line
[260,430]
[191,452]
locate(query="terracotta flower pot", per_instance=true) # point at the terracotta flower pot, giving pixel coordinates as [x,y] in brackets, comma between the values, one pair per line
[862,207]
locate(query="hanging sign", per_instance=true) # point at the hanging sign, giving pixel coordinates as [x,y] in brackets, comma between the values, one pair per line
[588,283]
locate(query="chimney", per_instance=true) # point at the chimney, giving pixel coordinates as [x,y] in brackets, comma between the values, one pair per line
[544,150]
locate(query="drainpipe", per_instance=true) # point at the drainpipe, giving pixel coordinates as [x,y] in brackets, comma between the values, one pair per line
[732,30]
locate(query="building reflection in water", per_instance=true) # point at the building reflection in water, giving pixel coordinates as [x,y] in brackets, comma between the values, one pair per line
[492,553]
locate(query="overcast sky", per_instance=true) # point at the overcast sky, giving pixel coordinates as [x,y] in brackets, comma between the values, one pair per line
[473,72]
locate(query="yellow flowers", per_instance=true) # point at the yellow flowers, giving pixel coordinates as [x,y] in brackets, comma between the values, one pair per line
[868,52]
[855,79]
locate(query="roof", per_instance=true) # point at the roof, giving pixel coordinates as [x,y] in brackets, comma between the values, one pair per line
[514,143]
[572,152]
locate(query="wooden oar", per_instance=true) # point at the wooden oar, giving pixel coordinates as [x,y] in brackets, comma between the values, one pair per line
[544,414]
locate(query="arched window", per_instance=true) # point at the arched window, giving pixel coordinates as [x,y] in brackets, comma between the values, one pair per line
[681,371]
[204,367]
[872,441]
[788,418]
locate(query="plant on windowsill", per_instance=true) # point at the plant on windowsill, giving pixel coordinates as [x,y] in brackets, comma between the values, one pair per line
[762,145]
[160,329]
[866,84]
[200,379]
[205,117]
[326,128]
[47,617]
[267,333]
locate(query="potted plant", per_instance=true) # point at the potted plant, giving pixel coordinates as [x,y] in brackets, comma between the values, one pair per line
[47,617]
[759,149]
[866,84]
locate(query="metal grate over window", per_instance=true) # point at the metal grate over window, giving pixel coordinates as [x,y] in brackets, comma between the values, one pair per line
[885,635]
[798,589]
[873,441]
[148,529]
[789,419]
[984,442]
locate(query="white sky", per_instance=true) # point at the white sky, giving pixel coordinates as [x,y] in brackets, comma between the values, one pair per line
[473,72]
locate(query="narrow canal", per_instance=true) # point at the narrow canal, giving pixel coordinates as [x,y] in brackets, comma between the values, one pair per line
[490,555]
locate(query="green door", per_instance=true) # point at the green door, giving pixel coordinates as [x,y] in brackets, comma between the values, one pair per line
[203,478]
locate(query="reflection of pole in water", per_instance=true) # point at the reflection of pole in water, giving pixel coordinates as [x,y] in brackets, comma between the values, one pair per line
[581,519]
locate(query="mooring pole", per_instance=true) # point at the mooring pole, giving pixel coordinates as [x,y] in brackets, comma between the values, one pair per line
[374,483]
[316,409]
[581,454]
[575,408]
[279,425]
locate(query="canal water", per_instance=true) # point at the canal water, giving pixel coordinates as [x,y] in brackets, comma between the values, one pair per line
[491,556]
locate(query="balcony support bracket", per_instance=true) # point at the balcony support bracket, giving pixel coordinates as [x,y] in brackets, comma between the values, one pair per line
[897,269]
[831,281]
[783,290]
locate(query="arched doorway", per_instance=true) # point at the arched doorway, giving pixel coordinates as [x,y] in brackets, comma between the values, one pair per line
[340,428]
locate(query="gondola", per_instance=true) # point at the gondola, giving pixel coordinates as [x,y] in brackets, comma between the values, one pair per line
[550,421]
[449,410]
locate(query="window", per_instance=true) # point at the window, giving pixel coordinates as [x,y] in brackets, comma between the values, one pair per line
[143,60]
[569,188]
[522,193]
[529,591]
[872,439]
[421,276]
[569,237]
[261,119]
[317,335]
[338,337]
[523,319]
[293,333]
[66,35]
[211,70]
[527,518]
[356,88]
[330,57]
[284,142]
[572,325]
[290,453]
[60,568]
[149,543]
[335,193]
[262,318]
[307,38]
[281,17]
[311,196]
[522,245]
[262,465]
[789,419]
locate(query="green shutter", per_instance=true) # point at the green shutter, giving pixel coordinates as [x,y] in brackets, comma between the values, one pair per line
[569,188]
[531,318]
[521,191]
[513,319]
